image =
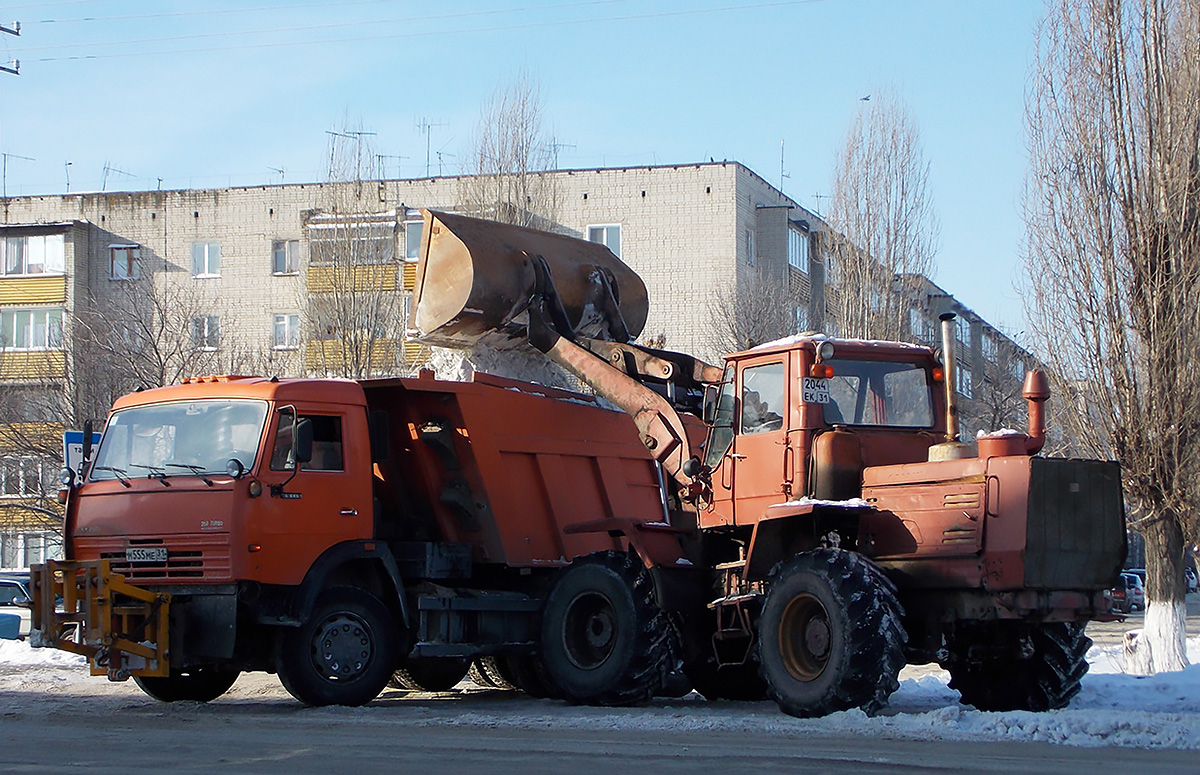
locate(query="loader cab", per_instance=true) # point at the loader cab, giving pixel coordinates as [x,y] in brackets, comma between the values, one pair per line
[803,418]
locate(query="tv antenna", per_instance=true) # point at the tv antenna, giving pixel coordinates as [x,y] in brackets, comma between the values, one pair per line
[383,158]
[782,175]
[13,67]
[427,129]
[280,171]
[4,174]
[109,168]
[555,146]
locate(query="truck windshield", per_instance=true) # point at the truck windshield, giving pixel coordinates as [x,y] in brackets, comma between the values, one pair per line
[875,393]
[180,439]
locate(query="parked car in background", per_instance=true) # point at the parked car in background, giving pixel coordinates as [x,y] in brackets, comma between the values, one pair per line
[14,590]
[1121,600]
[1137,591]
[1189,577]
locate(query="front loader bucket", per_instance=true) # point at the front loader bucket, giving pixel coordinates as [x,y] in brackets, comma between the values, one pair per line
[475,279]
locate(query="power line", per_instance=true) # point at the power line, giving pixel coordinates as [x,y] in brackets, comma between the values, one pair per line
[402,35]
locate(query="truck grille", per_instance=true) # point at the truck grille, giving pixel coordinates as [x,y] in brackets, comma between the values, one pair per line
[189,558]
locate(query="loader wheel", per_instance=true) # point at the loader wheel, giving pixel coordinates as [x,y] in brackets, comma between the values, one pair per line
[604,641]
[343,654]
[1002,666]
[198,684]
[830,636]
[430,674]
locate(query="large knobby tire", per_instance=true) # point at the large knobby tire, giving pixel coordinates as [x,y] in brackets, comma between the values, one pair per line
[1001,666]
[830,636]
[343,654]
[430,674]
[491,673]
[198,684]
[604,640]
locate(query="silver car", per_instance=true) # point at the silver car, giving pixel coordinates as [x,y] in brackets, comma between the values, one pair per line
[13,591]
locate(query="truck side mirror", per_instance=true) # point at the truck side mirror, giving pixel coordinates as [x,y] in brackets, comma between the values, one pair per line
[87,440]
[302,442]
[708,410]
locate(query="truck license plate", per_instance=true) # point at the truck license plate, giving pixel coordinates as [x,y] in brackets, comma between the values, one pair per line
[146,554]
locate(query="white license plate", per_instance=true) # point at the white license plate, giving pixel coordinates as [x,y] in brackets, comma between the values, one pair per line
[146,554]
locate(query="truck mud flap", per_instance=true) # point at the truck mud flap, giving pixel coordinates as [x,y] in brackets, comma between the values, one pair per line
[86,608]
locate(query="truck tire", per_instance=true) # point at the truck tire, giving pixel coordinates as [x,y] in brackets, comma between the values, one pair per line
[1040,668]
[604,641]
[430,674]
[198,684]
[830,636]
[492,673]
[343,654]
[530,676]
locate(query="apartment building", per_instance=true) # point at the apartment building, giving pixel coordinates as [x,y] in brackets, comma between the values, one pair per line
[100,290]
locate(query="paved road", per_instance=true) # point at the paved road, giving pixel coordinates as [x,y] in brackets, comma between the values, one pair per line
[273,738]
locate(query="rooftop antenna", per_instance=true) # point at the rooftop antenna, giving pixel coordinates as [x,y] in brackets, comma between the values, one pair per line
[357,136]
[67,169]
[427,128]
[280,171]
[382,158]
[109,168]
[817,196]
[782,174]
[440,154]
[555,146]
[4,174]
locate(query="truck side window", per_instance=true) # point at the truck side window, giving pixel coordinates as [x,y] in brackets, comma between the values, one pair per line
[327,444]
[762,398]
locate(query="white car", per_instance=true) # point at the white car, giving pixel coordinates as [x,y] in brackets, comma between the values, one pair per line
[13,591]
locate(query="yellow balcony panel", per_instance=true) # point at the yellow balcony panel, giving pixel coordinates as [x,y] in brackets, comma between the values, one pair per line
[32,365]
[334,278]
[410,277]
[33,291]
[335,356]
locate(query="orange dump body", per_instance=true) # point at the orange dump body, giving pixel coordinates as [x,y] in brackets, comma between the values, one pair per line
[508,467]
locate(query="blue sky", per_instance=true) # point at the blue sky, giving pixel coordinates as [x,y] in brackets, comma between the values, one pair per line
[222,93]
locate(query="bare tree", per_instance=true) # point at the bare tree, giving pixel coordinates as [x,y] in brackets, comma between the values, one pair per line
[1113,264]
[510,157]
[884,232]
[357,307]
[760,309]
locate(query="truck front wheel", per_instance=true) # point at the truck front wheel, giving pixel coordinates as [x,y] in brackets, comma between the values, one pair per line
[197,684]
[343,654]
[830,635]
[604,641]
[1000,666]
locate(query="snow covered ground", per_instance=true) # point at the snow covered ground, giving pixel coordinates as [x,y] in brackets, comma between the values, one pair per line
[1114,709]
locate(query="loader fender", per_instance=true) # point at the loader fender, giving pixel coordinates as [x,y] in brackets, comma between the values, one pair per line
[340,556]
[799,526]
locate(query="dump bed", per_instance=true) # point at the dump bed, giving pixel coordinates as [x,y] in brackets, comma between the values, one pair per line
[508,467]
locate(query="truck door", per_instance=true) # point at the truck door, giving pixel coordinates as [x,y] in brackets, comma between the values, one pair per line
[327,501]
[758,454]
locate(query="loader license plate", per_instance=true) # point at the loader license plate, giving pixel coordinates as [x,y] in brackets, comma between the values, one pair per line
[816,391]
[146,554]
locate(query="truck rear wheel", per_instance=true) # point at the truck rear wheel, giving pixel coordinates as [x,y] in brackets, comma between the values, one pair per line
[830,636]
[430,674]
[604,641]
[343,654]
[530,676]
[198,684]
[491,673]
[1002,666]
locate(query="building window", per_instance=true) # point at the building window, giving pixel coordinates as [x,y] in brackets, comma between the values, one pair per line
[800,316]
[798,249]
[607,235]
[963,378]
[751,251]
[352,240]
[964,334]
[412,239]
[285,256]
[206,332]
[124,262]
[31,329]
[991,350]
[37,254]
[1017,367]
[287,331]
[206,259]
[25,476]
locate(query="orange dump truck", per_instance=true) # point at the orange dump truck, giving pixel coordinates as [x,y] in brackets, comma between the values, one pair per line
[336,532]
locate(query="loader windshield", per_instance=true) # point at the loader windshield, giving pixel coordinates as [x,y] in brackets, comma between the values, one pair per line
[877,393]
[186,438]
